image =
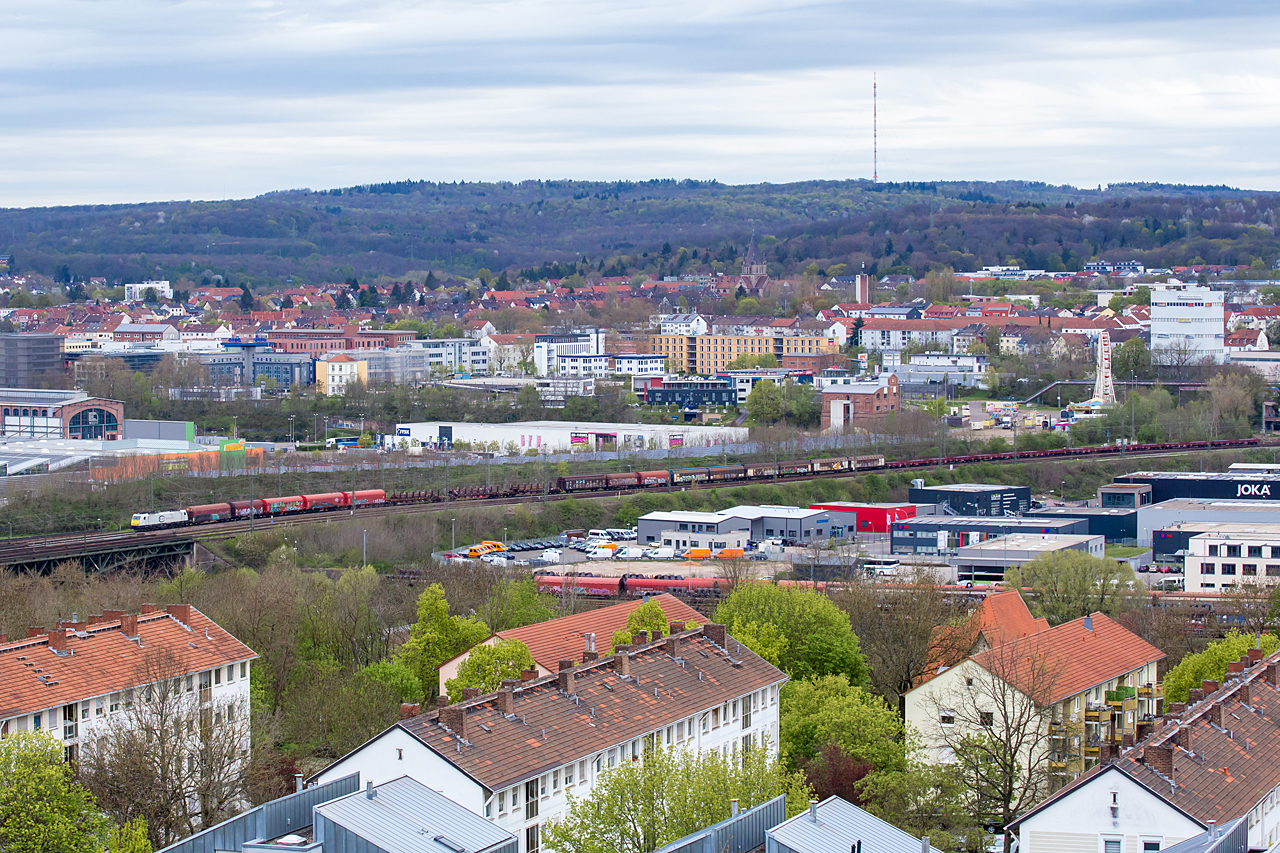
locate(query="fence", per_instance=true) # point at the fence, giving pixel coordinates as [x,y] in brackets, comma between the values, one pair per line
[735,834]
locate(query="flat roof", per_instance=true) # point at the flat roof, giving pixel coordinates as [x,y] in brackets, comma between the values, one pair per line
[1214,505]
[687,515]
[1040,543]
[838,506]
[1194,527]
[969,487]
[1255,531]
[1200,475]
[1126,487]
[767,511]
[978,521]
[1081,511]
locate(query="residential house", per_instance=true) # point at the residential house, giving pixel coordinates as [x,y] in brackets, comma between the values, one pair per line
[514,756]
[509,353]
[1072,688]
[146,333]
[571,637]
[683,324]
[81,678]
[478,328]
[336,373]
[1202,766]
[1247,340]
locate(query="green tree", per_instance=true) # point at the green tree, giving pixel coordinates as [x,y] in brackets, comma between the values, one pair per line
[927,799]
[746,361]
[639,806]
[529,403]
[1211,664]
[829,709]
[1132,358]
[1066,585]
[246,299]
[514,604]
[487,666]
[130,838]
[436,637]
[765,403]
[818,638]
[648,617]
[397,676]
[42,808]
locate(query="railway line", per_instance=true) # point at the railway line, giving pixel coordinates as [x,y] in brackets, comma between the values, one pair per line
[42,551]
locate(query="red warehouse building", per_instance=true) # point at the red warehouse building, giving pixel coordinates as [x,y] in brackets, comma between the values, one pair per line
[866,517]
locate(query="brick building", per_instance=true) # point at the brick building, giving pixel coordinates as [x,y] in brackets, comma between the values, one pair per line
[847,405]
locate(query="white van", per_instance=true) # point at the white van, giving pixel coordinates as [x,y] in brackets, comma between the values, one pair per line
[597,533]
[662,553]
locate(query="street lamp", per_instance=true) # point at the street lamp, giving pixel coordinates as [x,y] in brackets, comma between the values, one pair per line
[453,534]
[364,559]
[234,432]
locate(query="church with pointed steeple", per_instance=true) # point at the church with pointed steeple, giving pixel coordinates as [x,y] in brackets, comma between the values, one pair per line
[755,272]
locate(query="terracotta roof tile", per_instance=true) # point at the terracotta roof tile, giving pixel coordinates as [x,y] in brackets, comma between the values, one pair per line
[549,729]
[103,660]
[1078,658]
[561,639]
[1004,616]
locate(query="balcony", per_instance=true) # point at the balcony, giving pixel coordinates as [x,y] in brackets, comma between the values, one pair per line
[1092,715]
[1057,730]
[1115,698]
[1151,691]
[1057,767]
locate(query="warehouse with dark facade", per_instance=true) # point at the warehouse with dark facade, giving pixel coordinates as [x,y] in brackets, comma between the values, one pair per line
[936,534]
[980,499]
[1237,485]
[1116,525]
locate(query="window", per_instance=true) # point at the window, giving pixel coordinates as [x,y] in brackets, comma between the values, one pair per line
[1233,551]
[1111,845]
[968,681]
[217,675]
[1273,570]
[986,719]
[531,799]
[582,771]
[243,668]
[715,719]
[947,718]
[1228,568]
[1275,551]
[488,809]
[1255,551]
[531,839]
[231,672]
[568,776]
[555,781]
[1207,569]
[1249,569]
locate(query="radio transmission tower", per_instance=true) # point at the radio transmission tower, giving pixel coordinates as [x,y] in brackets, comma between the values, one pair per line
[1104,389]
[875,137]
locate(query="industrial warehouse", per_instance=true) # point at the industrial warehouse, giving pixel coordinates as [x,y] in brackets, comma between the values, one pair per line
[564,436]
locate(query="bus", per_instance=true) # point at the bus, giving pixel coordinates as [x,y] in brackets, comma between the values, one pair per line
[881,566]
[475,552]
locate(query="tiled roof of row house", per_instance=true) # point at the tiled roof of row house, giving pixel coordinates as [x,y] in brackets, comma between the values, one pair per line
[1215,758]
[531,726]
[563,639]
[106,653]
[1069,658]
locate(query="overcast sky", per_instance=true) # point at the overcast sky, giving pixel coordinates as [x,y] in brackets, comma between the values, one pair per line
[137,100]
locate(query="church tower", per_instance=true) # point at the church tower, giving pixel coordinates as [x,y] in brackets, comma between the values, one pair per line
[755,271]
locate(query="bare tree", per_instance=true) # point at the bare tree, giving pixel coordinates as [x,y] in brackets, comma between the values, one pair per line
[907,629]
[173,754]
[735,570]
[995,713]
[1250,602]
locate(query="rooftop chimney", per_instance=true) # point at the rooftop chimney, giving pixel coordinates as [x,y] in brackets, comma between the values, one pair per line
[1088,623]
[442,701]
[813,810]
[657,634]
[1235,668]
[676,627]
[1215,714]
[1177,707]
[622,662]
[672,645]
[369,793]
[1273,674]
[1126,739]
[469,693]
[1194,695]
[1242,694]
[409,709]
[528,674]
[924,844]
[147,608]
[1213,829]
[455,720]
[564,678]
[733,807]
[297,781]
[129,624]
[589,655]
[37,630]
[1160,759]
[181,612]
[107,616]
[1209,686]
[715,633]
[507,697]
[58,640]
[1255,655]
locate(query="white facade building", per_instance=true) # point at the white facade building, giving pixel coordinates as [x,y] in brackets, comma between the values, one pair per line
[1189,320]
[683,324]
[548,348]
[565,436]
[639,365]
[1231,555]
[137,292]
[587,364]
[81,678]
[516,755]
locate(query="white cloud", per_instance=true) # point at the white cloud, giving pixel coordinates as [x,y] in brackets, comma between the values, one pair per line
[140,99]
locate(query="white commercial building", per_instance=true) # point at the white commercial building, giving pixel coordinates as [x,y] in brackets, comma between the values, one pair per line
[639,365]
[566,436]
[136,292]
[582,364]
[515,756]
[1187,323]
[548,348]
[1233,554]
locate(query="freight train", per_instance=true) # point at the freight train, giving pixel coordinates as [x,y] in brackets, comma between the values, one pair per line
[752,471]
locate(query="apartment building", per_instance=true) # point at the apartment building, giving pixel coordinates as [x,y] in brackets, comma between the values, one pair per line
[137,291]
[82,677]
[514,756]
[1210,764]
[1231,554]
[709,353]
[1188,322]
[547,349]
[1073,690]
[336,373]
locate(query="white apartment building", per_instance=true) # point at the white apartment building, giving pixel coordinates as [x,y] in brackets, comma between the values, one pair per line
[1190,320]
[466,355]
[514,756]
[138,291]
[80,678]
[683,324]
[586,364]
[548,348]
[1233,554]
[639,365]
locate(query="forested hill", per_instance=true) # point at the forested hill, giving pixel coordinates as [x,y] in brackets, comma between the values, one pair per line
[402,228]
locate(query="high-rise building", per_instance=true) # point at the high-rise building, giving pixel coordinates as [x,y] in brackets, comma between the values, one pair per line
[23,358]
[1187,324]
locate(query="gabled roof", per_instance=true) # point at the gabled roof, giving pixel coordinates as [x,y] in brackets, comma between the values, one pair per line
[102,659]
[1004,617]
[1076,657]
[666,682]
[841,825]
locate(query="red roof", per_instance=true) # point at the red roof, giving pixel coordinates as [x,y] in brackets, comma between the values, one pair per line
[1004,617]
[102,659]
[561,639]
[1076,658]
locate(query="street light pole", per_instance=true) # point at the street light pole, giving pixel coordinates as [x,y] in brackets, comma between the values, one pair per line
[365,554]
[453,534]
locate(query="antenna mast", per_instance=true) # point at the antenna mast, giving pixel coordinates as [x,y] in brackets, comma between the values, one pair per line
[875,138]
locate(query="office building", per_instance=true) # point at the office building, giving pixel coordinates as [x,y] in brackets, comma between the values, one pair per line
[28,413]
[25,359]
[1231,485]
[988,561]
[1228,555]
[940,534]
[980,499]
[1167,514]
[1187,325]
[547,349]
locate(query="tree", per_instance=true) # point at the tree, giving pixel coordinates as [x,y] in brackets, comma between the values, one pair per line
[529,403]
[828,710]
[1211,664]
[42,808]
[169,758]
[516,603]
[246,299]
[907,629]
[648,617]
[1000,704]
[818,639]
[487,666]
[1250,601]
[991,337]
[150,295]
[436,637]
[765,403]
[397,676]
[1132,358]
[1066,585]
[926,799]
[287,302]
[639,806]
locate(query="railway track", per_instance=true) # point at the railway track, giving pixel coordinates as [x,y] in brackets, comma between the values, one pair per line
[29,549]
